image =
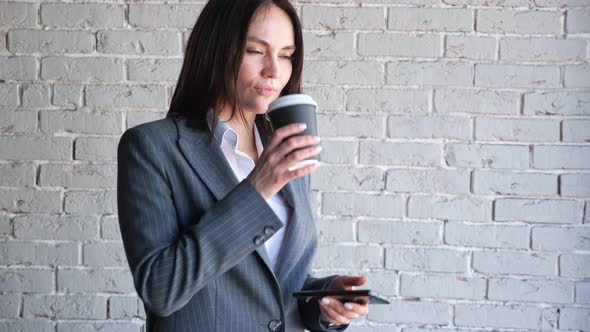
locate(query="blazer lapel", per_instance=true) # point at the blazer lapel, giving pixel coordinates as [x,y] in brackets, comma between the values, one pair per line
[212,166]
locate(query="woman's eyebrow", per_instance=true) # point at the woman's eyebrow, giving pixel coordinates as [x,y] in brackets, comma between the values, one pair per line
[263,42]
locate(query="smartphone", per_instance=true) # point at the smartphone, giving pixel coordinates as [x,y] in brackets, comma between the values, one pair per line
[360,296]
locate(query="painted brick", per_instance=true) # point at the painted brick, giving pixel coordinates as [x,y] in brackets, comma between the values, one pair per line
[349,204]
[340,125]
[82,69]
[81,122]
[342,18]
[327,97]
[467,47]
[82,15]
[583,292]
[163,15]
[538,211]
[561,157]
[30,200]
[429,127]
[574,318]
[469,101]
[118,96]
[356,257]
[29,280]
[400,153]
[3,41]
[21,68]
[330,45]
[26,253]
[137,118]
[17,175]
[18,122]
[123,307]
[574,265]
[5,227]
[516,76]
[84,202]
[21,325]
[74,326]
[498,316]
[413,102]
[109,228]
[575,185]
[154,69]
[50,41]
[331,230]
[557,103]
[514,183]
[542,49]
[577,20]
[412,312]
[35,95]
[10,305]
[96,148]
[518,21]
[515,262]
[483,235]
[348,178]
[78,176]
[343,72]
[113,280]
[429,73]
[561,238]
[430,19]
[338,152]
[426,259]
[104,254]
[8,97]
[400,232]
[399,45]
[55,227]
[443,286]
[68,96]
[577,76]
[18,14]
[139,42]
[576,130]
[451,208]
[487,156]
[530,290]
[65,307]
[428,181]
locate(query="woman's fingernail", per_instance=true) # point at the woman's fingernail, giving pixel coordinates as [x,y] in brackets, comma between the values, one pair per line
[302,125]
[318,148]
[325,301]
[348,306]
[316,139]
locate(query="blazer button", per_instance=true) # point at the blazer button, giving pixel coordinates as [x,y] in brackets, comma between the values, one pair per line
[259,240]
[275,325]
[269,231]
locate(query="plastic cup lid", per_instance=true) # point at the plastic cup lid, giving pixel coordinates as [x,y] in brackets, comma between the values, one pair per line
[294,99]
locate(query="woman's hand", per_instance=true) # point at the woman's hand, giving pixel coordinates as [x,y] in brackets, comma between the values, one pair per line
[338,313]
[271,172]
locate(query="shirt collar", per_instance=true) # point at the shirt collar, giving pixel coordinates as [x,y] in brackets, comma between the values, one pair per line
[224,134]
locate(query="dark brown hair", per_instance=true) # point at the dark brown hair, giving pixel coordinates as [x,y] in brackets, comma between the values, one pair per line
[213,57]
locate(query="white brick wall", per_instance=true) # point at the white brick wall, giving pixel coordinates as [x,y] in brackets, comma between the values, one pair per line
[456,173]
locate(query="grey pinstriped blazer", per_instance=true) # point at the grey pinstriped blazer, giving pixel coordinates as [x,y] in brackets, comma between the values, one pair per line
[194,237]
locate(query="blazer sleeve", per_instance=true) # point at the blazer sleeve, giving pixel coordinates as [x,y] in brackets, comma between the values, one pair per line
[169,265]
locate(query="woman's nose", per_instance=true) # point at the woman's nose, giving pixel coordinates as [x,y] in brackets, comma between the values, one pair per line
[271,67]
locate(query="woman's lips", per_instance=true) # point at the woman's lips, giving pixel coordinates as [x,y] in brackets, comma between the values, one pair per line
[267,92]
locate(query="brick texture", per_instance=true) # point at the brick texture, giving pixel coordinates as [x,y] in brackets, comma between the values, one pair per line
[455,166]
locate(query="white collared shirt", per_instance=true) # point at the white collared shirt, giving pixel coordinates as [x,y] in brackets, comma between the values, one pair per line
[242,165]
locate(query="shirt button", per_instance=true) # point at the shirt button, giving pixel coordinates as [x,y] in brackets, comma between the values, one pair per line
[275,325]
[269,230]
[259,240]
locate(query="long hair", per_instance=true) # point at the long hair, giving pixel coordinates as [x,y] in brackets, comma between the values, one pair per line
[213,56]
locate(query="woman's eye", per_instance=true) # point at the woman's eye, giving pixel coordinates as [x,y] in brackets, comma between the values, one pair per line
[253,51]
[290,57]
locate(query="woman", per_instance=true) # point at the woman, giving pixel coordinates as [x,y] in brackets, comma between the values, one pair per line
[218,232]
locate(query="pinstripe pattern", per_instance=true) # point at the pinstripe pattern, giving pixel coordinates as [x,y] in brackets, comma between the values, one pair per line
[188,228]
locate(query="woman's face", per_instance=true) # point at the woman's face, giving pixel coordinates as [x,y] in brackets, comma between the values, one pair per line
[266,66]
